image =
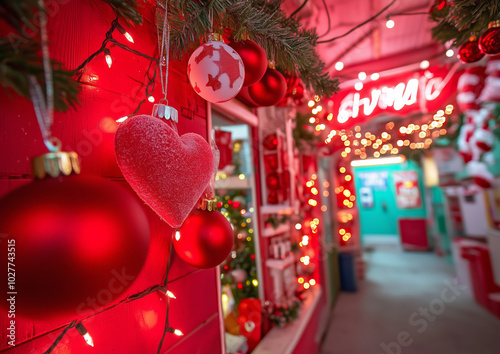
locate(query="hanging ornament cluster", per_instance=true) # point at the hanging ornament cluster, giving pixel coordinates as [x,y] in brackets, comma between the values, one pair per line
[476,137]
[169,172]
[71,236]
[206,237]
[489,43]
[215,70]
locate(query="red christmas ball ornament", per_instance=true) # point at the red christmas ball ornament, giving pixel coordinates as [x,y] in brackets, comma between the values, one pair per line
[216,71]
[254,59]
[270,89]
[77,242]
[206,237]
[292,81]
[298,94]
[271,142]
[469,52]
[489,42]
[273,181]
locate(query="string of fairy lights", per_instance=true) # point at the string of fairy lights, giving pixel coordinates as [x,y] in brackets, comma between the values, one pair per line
[162,287]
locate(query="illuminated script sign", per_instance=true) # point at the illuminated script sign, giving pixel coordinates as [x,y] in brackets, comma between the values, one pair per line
[422,91]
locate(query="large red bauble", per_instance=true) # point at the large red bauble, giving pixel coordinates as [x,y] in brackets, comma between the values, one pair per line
[77,244]
[169,172]
[254,59]
[270,89]
[469,52]
[206,238]
[489,42]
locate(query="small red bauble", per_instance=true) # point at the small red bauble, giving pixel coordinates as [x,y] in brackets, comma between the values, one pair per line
[292,81]
[254,59]
[270,89]
[270,142]
[77,244]
[206,238]
[469,52]
[489,42]
[273,181]
[298,94]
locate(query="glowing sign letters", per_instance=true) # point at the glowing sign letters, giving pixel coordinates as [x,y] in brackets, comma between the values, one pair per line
[403,94]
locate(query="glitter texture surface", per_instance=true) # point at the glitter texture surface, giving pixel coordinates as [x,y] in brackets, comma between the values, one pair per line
[168,172]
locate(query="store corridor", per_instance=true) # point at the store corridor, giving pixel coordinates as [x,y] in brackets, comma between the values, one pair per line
[399,291]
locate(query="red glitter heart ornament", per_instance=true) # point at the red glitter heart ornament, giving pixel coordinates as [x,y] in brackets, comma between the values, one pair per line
[169,172]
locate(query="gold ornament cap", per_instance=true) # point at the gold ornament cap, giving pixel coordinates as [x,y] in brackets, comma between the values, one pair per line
[54,164]
[213,37]
[473,38]
[494,24]
[209,204]
[271,64]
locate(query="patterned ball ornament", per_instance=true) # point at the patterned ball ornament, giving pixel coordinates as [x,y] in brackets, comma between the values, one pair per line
[469,52]
[270,89]
[216,71]
[489,42]
[206,237]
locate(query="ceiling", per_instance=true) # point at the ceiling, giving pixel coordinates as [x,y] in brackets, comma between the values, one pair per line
[372,47]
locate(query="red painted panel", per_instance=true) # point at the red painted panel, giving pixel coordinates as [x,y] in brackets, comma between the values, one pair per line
[77,29]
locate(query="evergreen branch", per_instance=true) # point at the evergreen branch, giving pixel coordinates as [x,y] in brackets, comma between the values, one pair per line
[292,48]
[127,9]
[16,66]
[462,19]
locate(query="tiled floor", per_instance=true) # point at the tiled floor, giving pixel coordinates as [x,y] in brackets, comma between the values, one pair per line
[410,297]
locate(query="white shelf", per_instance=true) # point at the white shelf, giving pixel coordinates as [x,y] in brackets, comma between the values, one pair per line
[280,263]
[232,182]
[277,209]
[283,340]
[281,229]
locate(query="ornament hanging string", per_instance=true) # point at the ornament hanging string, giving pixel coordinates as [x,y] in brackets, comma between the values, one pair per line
[210,191]
[44,107]
[164,51]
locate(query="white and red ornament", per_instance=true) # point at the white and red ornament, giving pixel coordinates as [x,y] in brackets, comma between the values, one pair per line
[491,90]
[216,71]
[479,172]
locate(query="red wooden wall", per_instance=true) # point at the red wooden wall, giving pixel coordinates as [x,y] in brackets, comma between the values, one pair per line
[77,29]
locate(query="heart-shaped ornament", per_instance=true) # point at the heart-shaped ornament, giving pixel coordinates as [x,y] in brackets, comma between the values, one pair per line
[169,172]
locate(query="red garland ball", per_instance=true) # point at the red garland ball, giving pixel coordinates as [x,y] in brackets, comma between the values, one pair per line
[206,238]
[298,94]
[489,42]
[271,141]
[292,81]
[77,244]
[469,52]
[273,181]
[270,89]
[254,59]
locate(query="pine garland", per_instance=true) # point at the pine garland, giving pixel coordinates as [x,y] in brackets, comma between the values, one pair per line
[461,19]
[14,66]
[283,39]
[292,47]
